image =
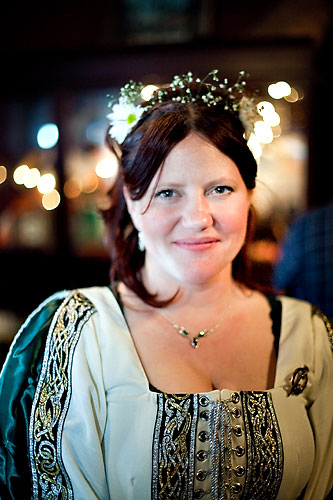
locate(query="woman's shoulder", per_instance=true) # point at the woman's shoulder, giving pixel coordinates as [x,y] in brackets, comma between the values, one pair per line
[69,308]
[101,297]
[292,307]
[84,302]
[304,317]
[300,306]
[93,311]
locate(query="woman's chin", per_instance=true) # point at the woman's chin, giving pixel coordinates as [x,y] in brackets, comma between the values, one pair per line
[204,275]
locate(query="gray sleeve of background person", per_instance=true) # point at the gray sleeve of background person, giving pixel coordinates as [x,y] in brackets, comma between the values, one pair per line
[287,273]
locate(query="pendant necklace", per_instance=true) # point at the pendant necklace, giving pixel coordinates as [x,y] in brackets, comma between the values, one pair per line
[194,339]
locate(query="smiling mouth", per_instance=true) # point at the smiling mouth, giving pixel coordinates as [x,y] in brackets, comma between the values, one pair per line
[198,245]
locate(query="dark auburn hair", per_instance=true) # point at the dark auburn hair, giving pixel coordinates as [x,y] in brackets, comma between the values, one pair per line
[143,153]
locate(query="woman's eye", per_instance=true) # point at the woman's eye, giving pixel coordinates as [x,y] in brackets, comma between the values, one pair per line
[165,193]
[221,190]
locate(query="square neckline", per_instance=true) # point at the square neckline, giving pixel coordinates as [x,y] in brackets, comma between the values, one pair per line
[276,314]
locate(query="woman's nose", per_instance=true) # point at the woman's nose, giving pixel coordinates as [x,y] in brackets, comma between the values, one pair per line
[197,214]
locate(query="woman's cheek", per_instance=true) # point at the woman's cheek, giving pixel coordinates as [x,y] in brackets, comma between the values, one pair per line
[233,218]
[158,221]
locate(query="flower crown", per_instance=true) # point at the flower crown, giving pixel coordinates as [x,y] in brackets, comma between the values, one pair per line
[130,107]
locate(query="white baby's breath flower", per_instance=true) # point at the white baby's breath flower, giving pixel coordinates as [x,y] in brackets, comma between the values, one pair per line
[123,118]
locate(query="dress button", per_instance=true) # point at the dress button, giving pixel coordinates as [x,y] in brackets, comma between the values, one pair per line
[236,412]
[204,415]
[204,401]
[203,436]
[202,455]
[239,450]
[237,430]
[201,475]
[235,397]
[199,494]
[237,488]
[239,470]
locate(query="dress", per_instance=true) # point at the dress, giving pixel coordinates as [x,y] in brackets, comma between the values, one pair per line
[99,430]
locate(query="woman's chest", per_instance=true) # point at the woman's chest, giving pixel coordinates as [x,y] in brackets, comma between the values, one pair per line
[240,357]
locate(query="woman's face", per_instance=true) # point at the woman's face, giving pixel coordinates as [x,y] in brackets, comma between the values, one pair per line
[196,219]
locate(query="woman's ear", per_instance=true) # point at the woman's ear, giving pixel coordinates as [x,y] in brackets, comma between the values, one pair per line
[132,207]
[127,196]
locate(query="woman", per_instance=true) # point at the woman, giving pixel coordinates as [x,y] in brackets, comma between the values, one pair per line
[184,381]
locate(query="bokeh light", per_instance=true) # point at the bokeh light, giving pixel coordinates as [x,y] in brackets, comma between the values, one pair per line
[20,173]
[293,96]
[31,178]
[263,132]
[107,167]
[46,183]
[279,90]
[3,174]
[265,107]
[72,188]
[95,132]
[255,146]
[277,131]
[148,91]
[89,182]
[267,111]
[47,136]
[272,119]
[51,200]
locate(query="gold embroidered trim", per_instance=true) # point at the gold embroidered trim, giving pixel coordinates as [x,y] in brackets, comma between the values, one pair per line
[327,323]
[173,447]
[52,398]
[264,446]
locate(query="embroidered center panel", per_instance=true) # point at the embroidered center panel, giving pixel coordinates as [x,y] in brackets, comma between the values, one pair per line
[173,446]
[207,448]
[52,397]
[264,446]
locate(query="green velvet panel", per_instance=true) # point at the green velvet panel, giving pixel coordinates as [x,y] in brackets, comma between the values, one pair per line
[18,384]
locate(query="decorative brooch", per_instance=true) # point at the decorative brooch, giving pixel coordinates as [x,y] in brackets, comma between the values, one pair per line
[298,381]
[130,107]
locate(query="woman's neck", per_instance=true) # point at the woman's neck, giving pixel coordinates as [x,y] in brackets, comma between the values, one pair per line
[219,291]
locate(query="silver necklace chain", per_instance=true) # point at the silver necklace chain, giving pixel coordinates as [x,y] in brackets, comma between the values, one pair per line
[194,339]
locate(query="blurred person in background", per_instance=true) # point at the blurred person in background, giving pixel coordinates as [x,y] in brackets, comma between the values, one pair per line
[305,265]
[181,379]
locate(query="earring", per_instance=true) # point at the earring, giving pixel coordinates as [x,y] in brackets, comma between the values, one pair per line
[141,242]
